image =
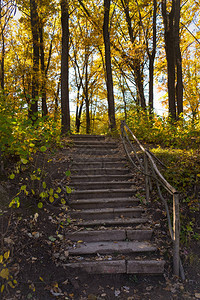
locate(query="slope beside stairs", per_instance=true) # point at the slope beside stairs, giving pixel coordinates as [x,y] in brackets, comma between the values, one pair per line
[112,229]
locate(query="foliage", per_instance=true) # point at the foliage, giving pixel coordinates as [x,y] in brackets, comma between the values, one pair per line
[19,137]
[161,130]
[5,275]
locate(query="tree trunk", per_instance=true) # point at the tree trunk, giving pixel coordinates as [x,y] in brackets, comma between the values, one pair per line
[179,84]
[2,51]
[65,112]
[109,79]
[168,20]
[151,60]
[33,107]
[86,93]
[43,86]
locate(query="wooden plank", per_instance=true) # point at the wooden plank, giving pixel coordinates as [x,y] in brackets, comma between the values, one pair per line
[145,267]
[112,247]
[100,267]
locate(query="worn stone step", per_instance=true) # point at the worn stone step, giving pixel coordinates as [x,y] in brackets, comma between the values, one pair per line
[101,185]
[99,159]
[105,193]
[100,178]
[107,213]
[95,145]
[112,222]
[100,171]
[104,202]
[97,165]
[150,267]
[87,137]
[99,267]
[145,267]
[121,247]
[110,235]
[93,151]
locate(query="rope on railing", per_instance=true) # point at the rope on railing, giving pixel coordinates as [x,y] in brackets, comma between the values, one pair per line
[150,171]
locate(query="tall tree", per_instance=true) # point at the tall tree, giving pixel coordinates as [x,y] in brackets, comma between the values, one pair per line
[109,79]
[65,111]
[171,21]
[33,105]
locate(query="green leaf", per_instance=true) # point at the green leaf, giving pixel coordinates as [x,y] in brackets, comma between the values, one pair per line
[43,148]
[68,190]
[24,161]
[63,201]
[51,192]
[23,187]
[58,190]
[51,238]
[12,176]
[40,205]
[51,199]
[56,196]
[44,185]
[32,145]
[68,173]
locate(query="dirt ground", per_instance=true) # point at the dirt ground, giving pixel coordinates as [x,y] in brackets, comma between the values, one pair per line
[34,239]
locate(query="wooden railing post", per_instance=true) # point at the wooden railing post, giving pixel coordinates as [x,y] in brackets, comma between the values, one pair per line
[146,170]
[176,237]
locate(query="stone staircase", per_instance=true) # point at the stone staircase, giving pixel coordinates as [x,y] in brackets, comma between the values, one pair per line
[111,230]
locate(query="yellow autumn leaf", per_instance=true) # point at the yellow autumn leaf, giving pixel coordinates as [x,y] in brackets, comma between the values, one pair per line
[7,254]
[1,259]
[11,284]
[4,273]
[2,288]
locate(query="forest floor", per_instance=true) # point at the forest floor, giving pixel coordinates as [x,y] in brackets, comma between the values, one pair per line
[33,239]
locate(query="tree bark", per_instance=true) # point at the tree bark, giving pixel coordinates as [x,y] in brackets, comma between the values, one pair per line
[86,93]
[168,19]
[151,60]
[65,111]
[33,107]
[179,84]
[173,55]
[109,79]
[43,85]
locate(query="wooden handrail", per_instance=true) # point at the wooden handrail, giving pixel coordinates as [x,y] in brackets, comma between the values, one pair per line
[150,164]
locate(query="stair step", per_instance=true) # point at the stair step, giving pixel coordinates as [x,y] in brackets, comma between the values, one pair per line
[87,137]
[99,178]
[112,222]
[101,185]
[93,151]
[120,247]
[100,267]
[104,202]
[145,267]
[107,213]
[151,267]
[100,171]
[95,145]
[106,193]
[90,165]
[110,235]
[100,159]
